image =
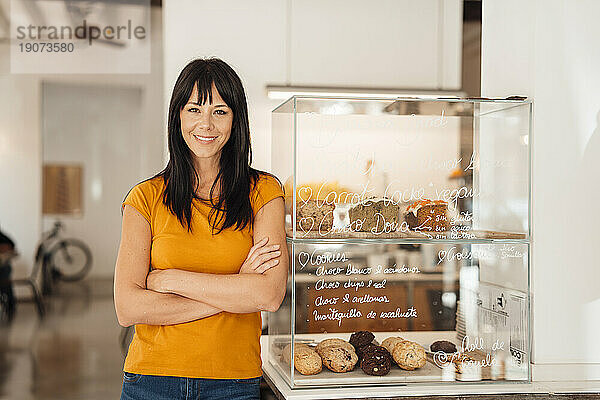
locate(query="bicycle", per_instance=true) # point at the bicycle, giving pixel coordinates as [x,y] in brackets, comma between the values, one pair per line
[67,260]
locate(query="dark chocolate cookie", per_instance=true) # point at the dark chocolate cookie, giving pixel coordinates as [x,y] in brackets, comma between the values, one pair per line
[376,361]
[361,351]
[361,338]
[443,346]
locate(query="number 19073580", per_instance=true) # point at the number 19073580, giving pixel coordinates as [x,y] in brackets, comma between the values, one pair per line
[44,47]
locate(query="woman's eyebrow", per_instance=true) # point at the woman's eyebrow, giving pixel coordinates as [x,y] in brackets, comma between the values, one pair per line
[216,105]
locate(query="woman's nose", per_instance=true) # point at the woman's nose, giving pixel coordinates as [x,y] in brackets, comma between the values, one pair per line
[204,121]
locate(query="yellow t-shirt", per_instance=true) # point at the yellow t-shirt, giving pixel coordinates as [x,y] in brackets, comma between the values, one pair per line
[225,345]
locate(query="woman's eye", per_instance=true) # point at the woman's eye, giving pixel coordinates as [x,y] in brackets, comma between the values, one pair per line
[193,109]
[221,112]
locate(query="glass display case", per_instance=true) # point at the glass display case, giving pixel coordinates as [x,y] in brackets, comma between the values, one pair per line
[408,228]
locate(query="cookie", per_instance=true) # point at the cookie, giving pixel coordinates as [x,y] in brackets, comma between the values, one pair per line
[361,351]
[333,342]
[376,361]
[307,361]
[287,350]
[361,339]
[338,359]
[443,346]
[391,342]
[409,355]
[368,350]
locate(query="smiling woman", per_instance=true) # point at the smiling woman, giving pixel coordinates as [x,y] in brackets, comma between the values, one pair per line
[202,250]
[206,126]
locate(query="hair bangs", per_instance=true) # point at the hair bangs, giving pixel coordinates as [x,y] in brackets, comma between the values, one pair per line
[204,85]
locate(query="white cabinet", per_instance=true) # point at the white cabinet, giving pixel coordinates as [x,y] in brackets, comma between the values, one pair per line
[376,44]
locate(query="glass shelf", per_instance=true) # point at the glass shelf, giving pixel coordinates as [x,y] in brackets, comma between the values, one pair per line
[404,241]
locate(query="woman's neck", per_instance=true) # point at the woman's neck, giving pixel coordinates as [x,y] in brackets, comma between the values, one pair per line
[207,170]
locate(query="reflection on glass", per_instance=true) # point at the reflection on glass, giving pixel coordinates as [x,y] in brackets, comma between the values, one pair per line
[408,227]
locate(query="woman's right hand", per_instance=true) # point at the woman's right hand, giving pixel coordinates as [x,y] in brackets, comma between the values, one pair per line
[261,258]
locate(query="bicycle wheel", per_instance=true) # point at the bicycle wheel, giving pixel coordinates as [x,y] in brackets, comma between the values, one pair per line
[71,259]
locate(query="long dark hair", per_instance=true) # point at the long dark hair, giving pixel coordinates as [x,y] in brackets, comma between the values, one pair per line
[236,177]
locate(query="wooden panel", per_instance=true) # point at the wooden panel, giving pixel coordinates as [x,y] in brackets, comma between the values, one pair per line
[62,189]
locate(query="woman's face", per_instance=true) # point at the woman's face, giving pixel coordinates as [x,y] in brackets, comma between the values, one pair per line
[207,127]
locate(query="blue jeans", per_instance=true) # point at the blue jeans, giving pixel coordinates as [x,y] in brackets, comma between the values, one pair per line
[142,387]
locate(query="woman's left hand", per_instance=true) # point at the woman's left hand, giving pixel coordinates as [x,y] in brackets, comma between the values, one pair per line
[158,279]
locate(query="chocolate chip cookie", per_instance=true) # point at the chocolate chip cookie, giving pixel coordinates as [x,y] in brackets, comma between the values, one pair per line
[391,342]
[333,342]
[339,359]
[286,353]
[409,355]
[306,360]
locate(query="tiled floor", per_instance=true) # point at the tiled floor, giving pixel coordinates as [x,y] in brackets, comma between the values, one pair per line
[73,353]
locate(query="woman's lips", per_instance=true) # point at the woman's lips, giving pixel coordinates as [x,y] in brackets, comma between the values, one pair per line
[205,139]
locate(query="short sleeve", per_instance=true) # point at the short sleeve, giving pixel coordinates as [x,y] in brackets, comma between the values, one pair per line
[140,198]
[267,188]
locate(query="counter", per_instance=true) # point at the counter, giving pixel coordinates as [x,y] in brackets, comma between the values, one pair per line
[535,390]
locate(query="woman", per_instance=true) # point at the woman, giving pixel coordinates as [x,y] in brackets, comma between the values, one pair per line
[211,231]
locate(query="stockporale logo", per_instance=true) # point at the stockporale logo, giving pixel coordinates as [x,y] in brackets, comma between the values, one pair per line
[50,36]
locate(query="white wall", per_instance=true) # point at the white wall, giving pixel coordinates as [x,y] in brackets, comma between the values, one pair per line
[21,146]
[548,49]
[377,43]
[283,42]
[20,161]
[248,35]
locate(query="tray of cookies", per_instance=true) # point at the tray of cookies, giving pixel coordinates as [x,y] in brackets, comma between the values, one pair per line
[365,358]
